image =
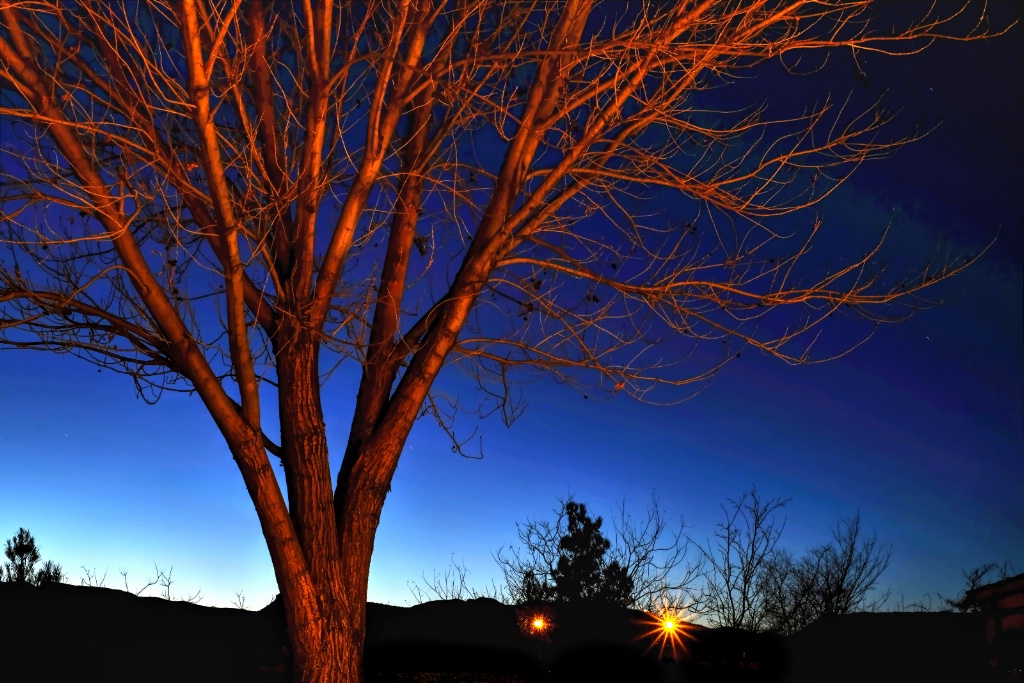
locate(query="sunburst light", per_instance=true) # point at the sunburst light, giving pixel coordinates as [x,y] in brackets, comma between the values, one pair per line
[667,629]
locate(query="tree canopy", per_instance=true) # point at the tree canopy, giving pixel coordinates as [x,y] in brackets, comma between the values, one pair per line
[207,173]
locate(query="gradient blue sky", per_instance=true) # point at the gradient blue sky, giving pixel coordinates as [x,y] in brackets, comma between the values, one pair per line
[921,429]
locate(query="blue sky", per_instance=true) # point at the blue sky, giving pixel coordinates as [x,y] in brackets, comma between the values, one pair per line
[920,430]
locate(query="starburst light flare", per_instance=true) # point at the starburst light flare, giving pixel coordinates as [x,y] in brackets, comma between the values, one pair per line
[667,629]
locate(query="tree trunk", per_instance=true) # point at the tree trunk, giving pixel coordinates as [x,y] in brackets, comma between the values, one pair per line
[327,633]
[321,651]
[327,630]
[304,454]
[325,641]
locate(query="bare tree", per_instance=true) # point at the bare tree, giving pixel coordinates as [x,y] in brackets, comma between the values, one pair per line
[744,546]
[656,556]
[230,199]
[531,565]
[788,593]
[990,572]
[240,602]
[452,585]
[163,579]
[834,578]
[848,568]
[983,574]
[92,578]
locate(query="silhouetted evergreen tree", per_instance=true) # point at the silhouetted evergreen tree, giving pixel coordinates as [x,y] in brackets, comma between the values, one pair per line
[580,569]
[51,572]
[22,555]
[582,572]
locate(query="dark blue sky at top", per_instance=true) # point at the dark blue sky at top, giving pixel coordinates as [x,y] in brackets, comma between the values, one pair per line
[921,429]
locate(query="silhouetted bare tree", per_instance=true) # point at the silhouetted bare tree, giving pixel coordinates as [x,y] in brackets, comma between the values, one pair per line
[848,568]
[163,579]
[229,199]
[788,593]
[990,572]
[657,558]
[834,578]
[452,585]
[744,546]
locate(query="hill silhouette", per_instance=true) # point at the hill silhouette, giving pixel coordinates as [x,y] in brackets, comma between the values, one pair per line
[61,633]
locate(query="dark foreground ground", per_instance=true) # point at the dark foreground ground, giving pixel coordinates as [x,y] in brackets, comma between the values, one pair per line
[75,633]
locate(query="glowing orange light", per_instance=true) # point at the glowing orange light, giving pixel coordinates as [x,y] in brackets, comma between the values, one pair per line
[667,630]
[536,621]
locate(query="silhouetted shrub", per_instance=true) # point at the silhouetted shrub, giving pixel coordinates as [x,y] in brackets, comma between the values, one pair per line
[22,555]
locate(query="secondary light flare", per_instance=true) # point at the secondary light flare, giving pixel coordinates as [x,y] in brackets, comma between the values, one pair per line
[536,621]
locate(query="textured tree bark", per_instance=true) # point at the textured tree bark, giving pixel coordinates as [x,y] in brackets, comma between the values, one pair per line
[326,631]
[304,454]
[314,619]
[323,649]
